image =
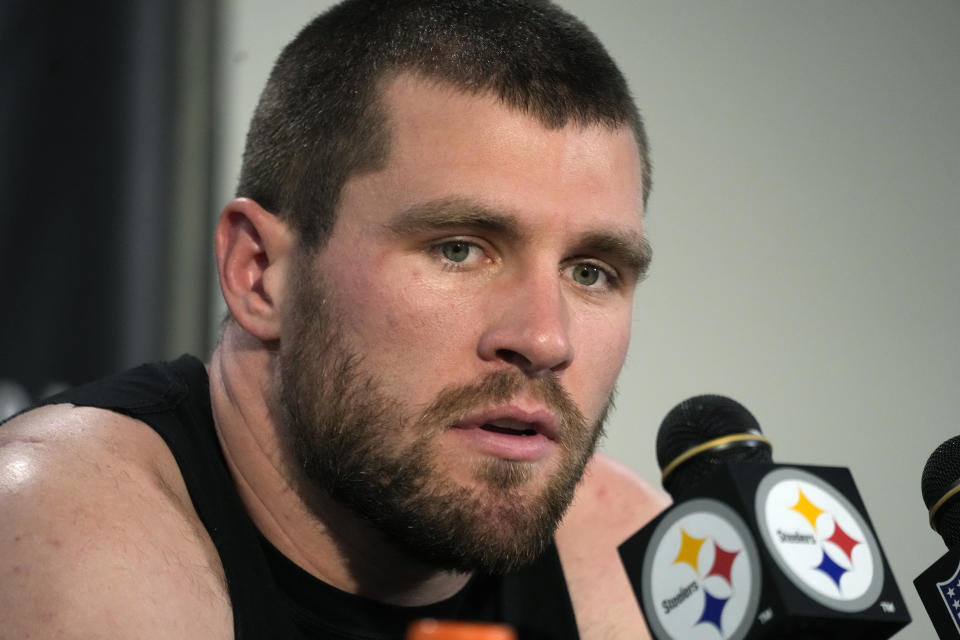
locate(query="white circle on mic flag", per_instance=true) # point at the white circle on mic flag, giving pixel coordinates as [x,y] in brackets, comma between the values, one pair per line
[701,574]
[819,540]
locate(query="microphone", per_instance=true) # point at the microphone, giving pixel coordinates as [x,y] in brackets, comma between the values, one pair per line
[754,549]
[939,585]
[939,485]
[703,433]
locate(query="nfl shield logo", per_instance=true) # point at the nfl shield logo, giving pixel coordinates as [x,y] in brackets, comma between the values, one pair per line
[950,592]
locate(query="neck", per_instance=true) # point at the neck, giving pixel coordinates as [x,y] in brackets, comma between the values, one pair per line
[325,539]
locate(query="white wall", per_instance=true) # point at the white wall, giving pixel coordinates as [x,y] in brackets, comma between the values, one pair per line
[804,219]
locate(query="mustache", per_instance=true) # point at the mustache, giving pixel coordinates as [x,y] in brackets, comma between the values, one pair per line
[454,403]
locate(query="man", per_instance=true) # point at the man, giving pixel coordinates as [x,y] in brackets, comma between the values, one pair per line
[430,276]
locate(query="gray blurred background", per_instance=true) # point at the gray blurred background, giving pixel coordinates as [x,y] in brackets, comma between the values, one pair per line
[805,214]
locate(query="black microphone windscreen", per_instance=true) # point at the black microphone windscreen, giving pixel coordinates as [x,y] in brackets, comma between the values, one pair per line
[941,474]
[699,420]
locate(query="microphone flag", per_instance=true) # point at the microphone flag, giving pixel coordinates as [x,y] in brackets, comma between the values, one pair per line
[765,551]
[950,592]
[939,590]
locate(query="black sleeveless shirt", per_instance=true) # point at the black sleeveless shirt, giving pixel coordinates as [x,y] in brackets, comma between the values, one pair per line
[271,596]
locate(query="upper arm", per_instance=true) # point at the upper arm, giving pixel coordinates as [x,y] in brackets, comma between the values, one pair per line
[611,504]
[94,540]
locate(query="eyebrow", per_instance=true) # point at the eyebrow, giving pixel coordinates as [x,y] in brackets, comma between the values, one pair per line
[629,249]
[448,213]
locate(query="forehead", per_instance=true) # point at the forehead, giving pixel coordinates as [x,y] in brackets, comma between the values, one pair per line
[446,143]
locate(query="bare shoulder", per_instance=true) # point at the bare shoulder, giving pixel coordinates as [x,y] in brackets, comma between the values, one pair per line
[611,504]
[612,501]
[98,536]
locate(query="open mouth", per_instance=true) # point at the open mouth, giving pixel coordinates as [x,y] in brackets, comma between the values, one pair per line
[509,431]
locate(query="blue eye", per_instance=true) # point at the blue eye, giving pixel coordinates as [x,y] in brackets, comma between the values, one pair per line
[455,250]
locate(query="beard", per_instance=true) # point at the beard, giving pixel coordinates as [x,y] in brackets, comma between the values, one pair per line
[346,437]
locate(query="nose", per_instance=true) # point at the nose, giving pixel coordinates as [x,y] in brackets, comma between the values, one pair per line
[528,326]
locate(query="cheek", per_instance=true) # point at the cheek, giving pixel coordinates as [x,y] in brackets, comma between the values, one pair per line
[606,358]
[404,322]
[600,353]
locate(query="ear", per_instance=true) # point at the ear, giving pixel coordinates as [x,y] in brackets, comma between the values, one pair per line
[253,248]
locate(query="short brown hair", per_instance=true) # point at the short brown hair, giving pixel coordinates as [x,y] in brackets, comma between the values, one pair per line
[319,119]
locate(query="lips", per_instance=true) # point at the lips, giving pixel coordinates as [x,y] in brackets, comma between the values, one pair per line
[513,420]
[510,428]
[510,432]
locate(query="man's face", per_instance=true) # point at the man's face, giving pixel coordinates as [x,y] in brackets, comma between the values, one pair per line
[450,353]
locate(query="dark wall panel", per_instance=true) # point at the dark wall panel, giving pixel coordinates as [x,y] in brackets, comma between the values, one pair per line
[85,154]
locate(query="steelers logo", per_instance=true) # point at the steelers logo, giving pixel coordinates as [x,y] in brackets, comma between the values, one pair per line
[819,540]
[702,574]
